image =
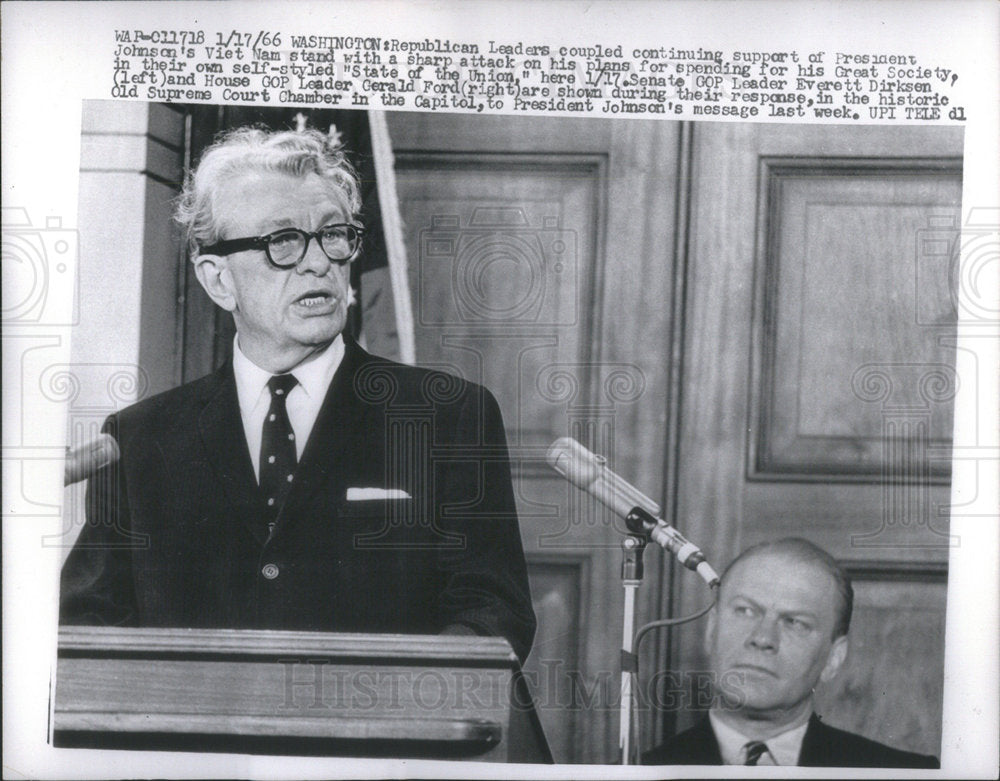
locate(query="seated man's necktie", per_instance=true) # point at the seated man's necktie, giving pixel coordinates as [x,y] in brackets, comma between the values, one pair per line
[277,449]
[753,751]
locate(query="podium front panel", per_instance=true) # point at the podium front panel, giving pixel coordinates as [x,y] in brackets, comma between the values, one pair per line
[293,693]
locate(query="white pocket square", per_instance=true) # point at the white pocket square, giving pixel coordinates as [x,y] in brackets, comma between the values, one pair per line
[369,494]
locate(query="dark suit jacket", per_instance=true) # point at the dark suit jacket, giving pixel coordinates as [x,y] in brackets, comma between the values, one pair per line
[822,746]
[175,533]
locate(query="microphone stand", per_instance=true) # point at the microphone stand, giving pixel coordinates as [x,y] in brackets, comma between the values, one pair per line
[633,546]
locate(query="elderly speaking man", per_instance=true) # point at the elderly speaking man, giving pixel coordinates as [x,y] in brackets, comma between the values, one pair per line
[779,629]
[306,484]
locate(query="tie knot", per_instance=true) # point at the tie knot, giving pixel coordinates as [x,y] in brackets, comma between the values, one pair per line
[754,751]
[281,384]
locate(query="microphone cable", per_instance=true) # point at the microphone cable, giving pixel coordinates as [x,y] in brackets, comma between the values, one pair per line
[658,624]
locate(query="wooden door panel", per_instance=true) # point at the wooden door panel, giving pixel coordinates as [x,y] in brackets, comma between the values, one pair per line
[842,336]
[558,593]
[501,256]
[527,239]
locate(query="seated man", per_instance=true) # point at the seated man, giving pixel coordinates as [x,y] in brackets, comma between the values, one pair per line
[778,629]
[306,484]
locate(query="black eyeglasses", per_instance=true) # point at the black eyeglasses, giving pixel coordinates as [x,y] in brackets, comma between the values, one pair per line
[285,248]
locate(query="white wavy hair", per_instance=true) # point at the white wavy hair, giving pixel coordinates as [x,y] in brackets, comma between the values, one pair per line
[253,149]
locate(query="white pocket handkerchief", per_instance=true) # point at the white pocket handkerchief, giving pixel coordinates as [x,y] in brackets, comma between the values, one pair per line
[369,494]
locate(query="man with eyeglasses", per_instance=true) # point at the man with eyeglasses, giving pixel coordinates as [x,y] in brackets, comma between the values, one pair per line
[306,484]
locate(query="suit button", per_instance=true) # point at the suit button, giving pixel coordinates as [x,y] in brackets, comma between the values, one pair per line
[270,571]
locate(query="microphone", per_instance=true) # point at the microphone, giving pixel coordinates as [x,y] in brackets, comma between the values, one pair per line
[590,472]
[83,461]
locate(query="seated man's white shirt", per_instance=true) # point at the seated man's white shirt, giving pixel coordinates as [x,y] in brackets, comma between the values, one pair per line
[782,749]
[314,376]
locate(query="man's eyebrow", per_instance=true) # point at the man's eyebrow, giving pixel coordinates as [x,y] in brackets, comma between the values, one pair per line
[334,217]
[799,614]
[278,223]
[745,598]
[792,612]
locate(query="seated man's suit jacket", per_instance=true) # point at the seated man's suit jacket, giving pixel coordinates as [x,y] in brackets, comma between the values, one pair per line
[822,746]
[176,532]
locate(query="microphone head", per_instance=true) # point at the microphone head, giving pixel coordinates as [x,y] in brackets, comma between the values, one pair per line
[574,462]
[589,471]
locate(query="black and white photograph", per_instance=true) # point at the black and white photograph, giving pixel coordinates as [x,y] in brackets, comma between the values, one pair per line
[524,442]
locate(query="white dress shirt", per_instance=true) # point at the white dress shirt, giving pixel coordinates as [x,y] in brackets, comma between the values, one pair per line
[304,400]
[782,749]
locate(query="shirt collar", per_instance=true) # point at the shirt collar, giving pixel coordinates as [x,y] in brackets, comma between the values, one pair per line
[784,747]
[314,374]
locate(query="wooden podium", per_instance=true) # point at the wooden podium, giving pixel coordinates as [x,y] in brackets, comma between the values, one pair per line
[311,693]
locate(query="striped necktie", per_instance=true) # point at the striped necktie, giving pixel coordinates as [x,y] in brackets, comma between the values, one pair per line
[754,751]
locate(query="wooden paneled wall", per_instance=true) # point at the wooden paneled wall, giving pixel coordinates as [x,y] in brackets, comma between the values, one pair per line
[753,323]
[819,382]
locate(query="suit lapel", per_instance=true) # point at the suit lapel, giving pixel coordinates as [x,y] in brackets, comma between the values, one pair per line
[816,746]
[704,743]
[221,429]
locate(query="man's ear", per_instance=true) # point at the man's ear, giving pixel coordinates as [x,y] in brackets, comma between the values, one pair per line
[835,659]
[213,274]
